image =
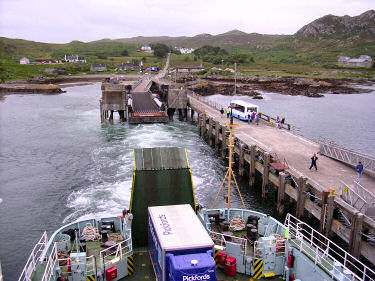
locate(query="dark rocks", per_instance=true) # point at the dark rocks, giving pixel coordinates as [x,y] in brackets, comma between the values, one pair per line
[294,86]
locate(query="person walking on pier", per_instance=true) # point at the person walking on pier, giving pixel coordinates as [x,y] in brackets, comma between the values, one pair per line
[359,169]
[222,112]
[228,111]
[277,122]
[313,162]
[257,119]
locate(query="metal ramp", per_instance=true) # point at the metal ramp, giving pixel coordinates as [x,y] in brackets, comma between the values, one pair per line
[161,177]
[358,197]
[146,110]
[348,156]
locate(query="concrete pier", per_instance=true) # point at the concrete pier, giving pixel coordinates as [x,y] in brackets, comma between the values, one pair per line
[282,159]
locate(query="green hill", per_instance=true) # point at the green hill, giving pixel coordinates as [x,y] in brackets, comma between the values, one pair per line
[17,48]
[316,45]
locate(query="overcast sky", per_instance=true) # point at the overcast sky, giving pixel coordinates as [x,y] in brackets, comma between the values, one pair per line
[66,20]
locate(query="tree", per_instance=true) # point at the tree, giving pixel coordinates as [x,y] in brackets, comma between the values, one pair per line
[125,53]
[160,50]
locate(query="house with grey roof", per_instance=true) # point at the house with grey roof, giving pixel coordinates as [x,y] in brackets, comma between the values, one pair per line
[98,67]
[362,61]
[138,66]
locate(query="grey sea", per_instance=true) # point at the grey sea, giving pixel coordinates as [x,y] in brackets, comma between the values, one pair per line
[59,164]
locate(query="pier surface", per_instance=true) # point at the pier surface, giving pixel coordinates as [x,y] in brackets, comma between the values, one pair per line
[296,150]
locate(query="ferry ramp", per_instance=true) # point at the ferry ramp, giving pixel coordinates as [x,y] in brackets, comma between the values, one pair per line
[146,110]
[161,177]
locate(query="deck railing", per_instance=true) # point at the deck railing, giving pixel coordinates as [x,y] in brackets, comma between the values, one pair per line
[325,253]
[221,239]
[116,253]
[33,258]
[51,265]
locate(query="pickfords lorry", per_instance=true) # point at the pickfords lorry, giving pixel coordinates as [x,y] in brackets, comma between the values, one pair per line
[179,245]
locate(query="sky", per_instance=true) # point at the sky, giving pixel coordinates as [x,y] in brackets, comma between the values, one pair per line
[62,21]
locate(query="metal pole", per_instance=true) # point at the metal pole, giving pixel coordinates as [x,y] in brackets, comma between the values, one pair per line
[230,165]
[235,78]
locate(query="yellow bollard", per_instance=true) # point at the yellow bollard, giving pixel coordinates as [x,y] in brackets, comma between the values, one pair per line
[331,191]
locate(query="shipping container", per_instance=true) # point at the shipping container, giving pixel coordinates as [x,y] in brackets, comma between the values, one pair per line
[179,245]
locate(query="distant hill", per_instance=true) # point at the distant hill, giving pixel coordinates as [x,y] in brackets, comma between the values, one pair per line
[346,26]
[16,48]
[320,42]
[231,38]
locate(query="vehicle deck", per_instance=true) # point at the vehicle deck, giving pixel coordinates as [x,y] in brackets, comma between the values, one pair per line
[143,270]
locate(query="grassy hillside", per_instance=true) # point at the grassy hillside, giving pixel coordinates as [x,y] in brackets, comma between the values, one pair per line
[315,47]
[17,48]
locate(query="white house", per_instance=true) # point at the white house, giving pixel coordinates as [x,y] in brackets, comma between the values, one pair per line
[186,50]
[24,61]
[74,58]
[146,49]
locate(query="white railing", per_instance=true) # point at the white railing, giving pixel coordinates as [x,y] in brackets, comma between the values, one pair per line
[116,253]
[33,258]
[357,196]
[91,265]
[348,156]
[52,263]
[325,253]
[221,239]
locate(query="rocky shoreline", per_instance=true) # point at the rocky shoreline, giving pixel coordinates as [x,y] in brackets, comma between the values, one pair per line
[294,86]
[30,88]
[50,85]
[212,84]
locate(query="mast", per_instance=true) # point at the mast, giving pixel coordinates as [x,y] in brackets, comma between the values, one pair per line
[229,174]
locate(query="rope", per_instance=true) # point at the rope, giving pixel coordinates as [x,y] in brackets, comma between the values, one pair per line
[90,233]
[237,224]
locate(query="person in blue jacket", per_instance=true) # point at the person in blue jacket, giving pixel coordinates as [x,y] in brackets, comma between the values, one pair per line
[359,169]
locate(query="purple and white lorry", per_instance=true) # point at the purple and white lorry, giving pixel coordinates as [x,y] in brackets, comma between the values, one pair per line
[180,247]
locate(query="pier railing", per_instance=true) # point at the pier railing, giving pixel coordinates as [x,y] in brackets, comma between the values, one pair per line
[357,196]
[219,106]
[135,85]
[269,119]
[348,156]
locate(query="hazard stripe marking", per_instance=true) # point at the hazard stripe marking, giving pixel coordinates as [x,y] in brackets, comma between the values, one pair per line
[90,278]
[216,258]
[130,262]
[258,269]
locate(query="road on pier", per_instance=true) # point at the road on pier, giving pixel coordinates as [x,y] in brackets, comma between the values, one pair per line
[294,149]
[144,86]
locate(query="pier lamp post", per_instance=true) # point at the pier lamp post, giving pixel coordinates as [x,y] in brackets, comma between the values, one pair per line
[235,78]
